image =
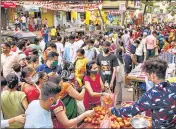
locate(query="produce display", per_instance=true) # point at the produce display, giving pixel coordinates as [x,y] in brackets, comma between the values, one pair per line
[116,122]
[101,112]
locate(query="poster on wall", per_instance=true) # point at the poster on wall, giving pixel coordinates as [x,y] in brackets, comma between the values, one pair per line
[122,7]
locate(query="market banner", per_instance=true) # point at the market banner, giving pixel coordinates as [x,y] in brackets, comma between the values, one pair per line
[8,5]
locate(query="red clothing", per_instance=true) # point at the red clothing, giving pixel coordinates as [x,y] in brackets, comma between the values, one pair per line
[31,92]
[14,49]
[26,51]
[58,107]
[31,29]
[96,87]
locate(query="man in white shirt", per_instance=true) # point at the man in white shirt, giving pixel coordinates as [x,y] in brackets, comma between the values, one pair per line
[23,18]
[141,51]
[8,59]
[38,113]
[126,39]
[60,48]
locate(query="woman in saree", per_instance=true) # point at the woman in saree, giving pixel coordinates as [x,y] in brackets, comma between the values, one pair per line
[59,112]
[68,94]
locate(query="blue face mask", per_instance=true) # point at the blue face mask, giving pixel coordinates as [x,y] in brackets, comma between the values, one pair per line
[149,84]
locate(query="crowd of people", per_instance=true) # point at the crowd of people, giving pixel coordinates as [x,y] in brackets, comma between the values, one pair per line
[57,83]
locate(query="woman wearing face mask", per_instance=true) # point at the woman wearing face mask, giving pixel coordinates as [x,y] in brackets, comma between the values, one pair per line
[13,102]
[59,111]
[68,94]
[80,66]
[28,85]
[94,86]
[42,78]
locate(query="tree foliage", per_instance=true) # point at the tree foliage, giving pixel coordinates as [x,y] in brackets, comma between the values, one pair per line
[172,8]
[148,6]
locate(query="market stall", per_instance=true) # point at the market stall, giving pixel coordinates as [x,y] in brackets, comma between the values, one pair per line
[136,76]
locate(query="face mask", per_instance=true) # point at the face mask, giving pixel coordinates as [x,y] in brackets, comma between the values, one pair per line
[149,84]
[33,79]
[55,63]
[106,50]
[94,72]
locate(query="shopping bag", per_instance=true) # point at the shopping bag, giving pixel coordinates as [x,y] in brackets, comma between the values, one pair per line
[108,101]
[106,123]
[80,107]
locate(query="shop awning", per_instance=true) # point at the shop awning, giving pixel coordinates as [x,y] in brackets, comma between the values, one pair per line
[8,5]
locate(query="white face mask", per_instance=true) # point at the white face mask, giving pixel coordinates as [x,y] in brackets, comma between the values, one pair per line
[149,84]
[33,79]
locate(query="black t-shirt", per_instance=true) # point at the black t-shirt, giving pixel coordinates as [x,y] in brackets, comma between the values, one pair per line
[106,64]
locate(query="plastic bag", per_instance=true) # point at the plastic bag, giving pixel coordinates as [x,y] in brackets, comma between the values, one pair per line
[106,123]
[80,107]
[108,101]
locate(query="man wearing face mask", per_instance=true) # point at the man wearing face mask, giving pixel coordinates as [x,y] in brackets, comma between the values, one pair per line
[51,65]
[160,100]
[8,59]
[38,113]
[107,63]
[90,52]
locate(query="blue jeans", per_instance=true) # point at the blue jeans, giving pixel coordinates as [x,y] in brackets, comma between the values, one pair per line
[150,53]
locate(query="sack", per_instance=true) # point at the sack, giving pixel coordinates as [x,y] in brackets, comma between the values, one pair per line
[80,107]
[106,123]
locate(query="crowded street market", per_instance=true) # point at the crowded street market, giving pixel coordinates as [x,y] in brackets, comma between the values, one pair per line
[88,64]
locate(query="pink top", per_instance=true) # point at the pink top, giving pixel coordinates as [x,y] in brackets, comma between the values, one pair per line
[151,42]
[56,108]
[96,87]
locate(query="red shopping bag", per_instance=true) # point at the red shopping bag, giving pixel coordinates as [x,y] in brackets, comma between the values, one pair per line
[106,123]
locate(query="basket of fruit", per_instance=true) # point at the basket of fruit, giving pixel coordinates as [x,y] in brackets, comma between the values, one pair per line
[127,103]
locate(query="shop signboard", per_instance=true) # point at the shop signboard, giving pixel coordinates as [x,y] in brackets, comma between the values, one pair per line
[8,5]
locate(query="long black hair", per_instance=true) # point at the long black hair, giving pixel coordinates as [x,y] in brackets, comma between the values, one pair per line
[119,55]
[89,67]
[41,74]
[24,73]
[12,80]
